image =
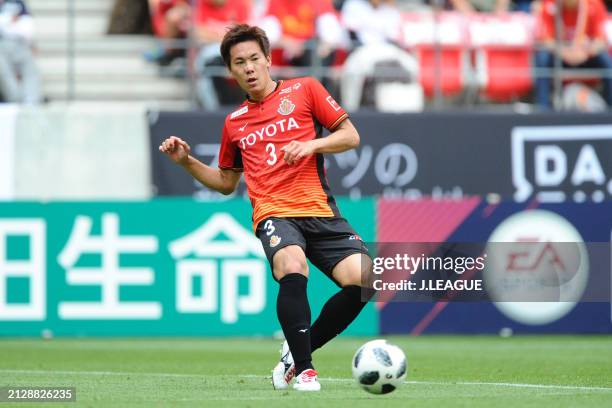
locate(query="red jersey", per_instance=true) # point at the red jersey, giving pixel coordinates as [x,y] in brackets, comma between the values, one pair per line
[590,26]
[158,15]
[220,17]
[252,139]
[298,17]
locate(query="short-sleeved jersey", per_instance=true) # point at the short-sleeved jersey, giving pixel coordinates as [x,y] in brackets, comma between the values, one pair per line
[158,15]
[220,17]
[592,27]
[298,17]
[252,139]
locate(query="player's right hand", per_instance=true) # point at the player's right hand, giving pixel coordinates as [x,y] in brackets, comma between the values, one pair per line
[176,148]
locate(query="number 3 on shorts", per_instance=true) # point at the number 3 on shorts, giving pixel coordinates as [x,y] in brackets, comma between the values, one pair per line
[269,227]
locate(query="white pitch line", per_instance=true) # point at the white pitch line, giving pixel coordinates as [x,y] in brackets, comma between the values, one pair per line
[179,375]
[100,373]
[500,384]
[550,386]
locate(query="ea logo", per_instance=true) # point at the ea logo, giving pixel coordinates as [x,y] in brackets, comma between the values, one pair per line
[537,267]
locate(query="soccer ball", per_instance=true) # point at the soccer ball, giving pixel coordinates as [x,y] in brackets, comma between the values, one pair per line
[379,367]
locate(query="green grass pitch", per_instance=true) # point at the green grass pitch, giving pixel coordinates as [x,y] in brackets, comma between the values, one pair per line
[443,371]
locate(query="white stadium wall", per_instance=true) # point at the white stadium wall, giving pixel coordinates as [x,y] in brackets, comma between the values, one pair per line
[82,152]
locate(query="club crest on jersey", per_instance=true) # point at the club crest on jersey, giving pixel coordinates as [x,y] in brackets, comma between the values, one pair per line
[286,106]
[274,241]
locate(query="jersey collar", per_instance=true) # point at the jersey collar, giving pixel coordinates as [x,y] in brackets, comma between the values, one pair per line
[252,102]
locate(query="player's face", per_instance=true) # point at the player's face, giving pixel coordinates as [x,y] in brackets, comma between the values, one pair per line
[251,68]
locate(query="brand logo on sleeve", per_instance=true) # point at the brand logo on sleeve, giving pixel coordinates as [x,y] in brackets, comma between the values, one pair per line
[239,112]
[333,103]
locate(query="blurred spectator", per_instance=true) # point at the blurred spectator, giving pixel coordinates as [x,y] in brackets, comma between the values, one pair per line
[19,77]
[526,6]
[374,28]
[381,75]
[338,4]
[484,6]
[303,27]
[212,19]
[130,17]
[171,21]
[471,6]
[583,38]
[371,21]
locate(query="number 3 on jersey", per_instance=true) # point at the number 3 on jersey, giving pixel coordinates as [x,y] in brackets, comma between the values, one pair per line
[271,150]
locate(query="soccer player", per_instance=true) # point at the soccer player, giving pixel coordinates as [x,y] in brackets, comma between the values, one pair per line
[275,138]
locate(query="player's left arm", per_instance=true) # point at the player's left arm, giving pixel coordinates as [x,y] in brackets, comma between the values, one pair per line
[344,137]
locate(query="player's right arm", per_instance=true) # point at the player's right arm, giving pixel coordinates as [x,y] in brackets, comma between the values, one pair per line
[221,180]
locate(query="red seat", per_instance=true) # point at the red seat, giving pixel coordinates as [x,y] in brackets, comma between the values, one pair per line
[444,36]
[341,56]
[277,57]
[505,72]
[503,46]
[453,62]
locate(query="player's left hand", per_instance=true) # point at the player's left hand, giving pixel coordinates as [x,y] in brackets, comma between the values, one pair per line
[296,151]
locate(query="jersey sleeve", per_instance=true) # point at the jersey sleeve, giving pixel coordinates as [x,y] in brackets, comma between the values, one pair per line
[230,156]
[326,110]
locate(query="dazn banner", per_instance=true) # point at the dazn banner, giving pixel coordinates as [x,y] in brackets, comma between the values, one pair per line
[550,158]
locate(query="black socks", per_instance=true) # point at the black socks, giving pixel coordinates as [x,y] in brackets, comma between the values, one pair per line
[294,316]
[339,311]
[293,313]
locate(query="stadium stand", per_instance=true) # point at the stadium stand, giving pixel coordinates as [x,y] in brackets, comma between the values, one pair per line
[476,53]
[107,68]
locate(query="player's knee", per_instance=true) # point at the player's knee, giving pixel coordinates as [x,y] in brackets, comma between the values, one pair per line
[290,259]
[353,270]
[280,273]
[294,266]
[287,264]
[352,278]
